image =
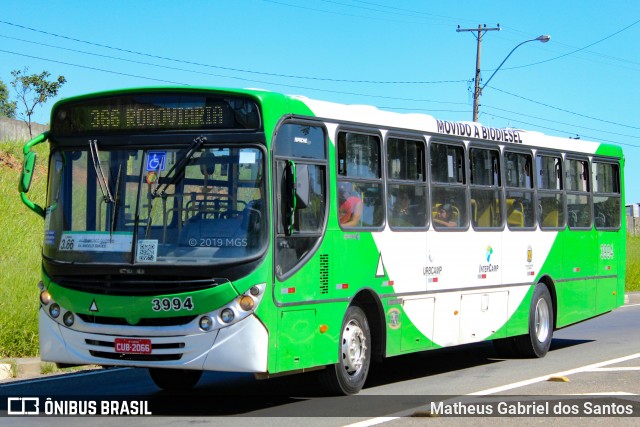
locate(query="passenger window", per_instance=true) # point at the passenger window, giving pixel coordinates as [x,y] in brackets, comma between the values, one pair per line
[407,188]
[300,156]
[578,194]
[520,193]
[360,190]
[486,194]
[606,199]
[448,186]
[550,196]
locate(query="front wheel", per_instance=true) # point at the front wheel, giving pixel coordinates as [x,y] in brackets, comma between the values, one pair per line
[537,342]
[174,379]
[349,374]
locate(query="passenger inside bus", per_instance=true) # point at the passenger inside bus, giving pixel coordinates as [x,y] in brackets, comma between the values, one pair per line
[402,214]
[350,205]
[444,216]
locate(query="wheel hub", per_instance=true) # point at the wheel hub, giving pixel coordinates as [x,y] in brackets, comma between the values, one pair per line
[542,320]
[354,348]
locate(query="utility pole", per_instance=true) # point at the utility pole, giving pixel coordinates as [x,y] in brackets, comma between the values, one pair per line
[481,30]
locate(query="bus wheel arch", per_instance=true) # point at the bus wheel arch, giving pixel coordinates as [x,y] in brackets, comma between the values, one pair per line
[548,282]
[369,302]
[359,342]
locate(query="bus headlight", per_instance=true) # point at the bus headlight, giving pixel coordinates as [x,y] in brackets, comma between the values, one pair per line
[68,319]
[236,310]
[54,310]
[246,303]
[45,297]
[227,315]
[206,323]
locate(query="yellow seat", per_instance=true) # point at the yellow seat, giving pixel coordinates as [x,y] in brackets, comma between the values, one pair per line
[515,213]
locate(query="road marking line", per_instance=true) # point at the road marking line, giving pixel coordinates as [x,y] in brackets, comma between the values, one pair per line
[558,374]
[592,367]
[604,393]
[372,422]
[622,368]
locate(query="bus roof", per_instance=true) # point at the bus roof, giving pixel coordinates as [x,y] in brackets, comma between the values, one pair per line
[371,115]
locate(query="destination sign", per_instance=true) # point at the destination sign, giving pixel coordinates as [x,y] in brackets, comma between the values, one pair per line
[474,130]
[155,112]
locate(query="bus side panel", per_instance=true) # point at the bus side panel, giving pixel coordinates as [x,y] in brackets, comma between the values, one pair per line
[577,290]
[518,323]
[607,287]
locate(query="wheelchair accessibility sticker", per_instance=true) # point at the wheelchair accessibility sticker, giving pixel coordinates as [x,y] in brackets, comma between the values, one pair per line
[156,160]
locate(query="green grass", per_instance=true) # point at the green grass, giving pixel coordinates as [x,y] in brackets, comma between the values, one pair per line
[21,238]
[21,243]
[633,264]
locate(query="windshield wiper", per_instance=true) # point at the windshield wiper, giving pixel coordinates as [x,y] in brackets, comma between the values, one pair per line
[178,167]
[116,202]
[97,167]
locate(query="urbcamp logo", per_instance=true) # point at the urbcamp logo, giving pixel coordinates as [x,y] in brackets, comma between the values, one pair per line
[432,270]
[489,253]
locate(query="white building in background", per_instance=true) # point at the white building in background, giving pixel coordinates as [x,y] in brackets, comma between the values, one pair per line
[633,210]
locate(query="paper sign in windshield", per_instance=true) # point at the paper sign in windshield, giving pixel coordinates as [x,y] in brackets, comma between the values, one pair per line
[96,242]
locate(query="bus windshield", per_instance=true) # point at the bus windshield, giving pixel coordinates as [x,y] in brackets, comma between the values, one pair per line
[201,204]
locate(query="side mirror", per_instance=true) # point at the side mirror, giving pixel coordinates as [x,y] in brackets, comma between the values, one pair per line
[27,172]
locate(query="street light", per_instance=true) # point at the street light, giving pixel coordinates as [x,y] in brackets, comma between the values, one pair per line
[476,96]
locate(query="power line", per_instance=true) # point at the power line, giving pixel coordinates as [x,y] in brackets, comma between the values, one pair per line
[577,50]
[564,131]
[351,15]
[560,123]
[243,79]
[227,68]
[93,68]
[564,110]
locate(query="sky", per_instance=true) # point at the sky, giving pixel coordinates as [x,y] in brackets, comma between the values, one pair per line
[398,55]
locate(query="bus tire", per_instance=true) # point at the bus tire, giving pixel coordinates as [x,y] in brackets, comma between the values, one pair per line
[537,342]
[350,373]
[174,379]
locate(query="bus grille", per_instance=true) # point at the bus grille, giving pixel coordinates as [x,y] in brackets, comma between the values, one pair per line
[120,321]
[136,285]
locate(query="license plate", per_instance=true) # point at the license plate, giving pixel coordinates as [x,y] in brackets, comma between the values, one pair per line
[132,346]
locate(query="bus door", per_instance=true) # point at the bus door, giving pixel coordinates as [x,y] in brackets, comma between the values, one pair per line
[301,255]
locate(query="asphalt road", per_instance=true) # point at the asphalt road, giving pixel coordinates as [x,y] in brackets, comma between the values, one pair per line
[597,357]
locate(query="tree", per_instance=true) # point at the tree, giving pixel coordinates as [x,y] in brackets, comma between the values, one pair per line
[33,90]
[7,108]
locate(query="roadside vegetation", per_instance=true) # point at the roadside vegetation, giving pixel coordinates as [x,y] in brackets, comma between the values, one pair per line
[633,264]
[21,245]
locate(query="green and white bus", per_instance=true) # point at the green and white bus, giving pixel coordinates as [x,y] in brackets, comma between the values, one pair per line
[206,229]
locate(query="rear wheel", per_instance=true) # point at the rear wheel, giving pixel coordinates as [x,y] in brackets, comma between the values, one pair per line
[350,373]
[174,379]
[537,342]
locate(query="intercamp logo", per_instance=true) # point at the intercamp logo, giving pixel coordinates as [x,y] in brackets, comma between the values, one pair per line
[23,406]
